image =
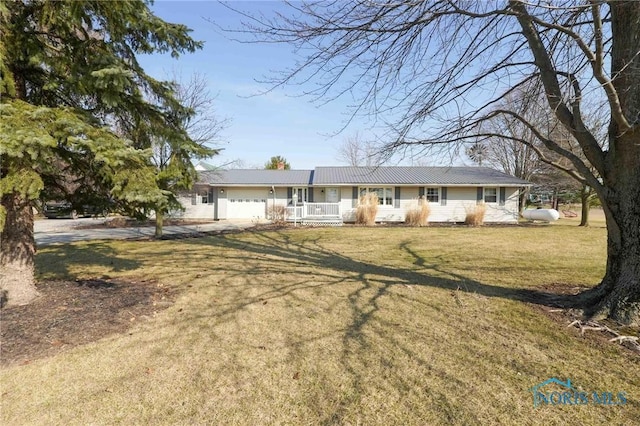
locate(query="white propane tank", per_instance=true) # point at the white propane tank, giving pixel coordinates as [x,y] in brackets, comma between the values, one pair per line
[548,215]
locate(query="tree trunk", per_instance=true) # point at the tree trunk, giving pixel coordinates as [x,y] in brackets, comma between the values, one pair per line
[159,223]
[17,253]
[585,198]
[522,200]
[618,295]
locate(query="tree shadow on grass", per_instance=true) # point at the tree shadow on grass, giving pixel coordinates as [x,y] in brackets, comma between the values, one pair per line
[246,269]
[311,252]
[369,285]
[58,260]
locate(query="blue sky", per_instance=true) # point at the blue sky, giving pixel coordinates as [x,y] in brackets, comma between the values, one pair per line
[278,123]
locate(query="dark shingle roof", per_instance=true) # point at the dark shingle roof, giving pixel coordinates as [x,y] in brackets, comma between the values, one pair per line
[413,176]
[256,177]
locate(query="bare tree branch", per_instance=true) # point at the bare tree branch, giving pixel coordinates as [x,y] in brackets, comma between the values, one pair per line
[435,72]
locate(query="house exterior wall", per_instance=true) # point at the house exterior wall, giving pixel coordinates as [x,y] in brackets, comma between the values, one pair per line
[323,194]
[193,211]
[277,198]
[459,201]
[222,203]
[507,213]
[228,201]
[346,204]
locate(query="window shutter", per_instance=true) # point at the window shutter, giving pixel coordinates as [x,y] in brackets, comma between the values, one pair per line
[210,195]
[443,198]
[421,192]
[503,196]
[354,201]
[194,198]
[396,198]
[310,195]
[480,195]
[289,195]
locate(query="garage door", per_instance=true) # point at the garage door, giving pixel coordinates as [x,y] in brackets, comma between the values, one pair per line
[246,203]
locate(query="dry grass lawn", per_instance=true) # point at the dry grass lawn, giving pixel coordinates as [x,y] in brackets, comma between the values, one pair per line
[370,326]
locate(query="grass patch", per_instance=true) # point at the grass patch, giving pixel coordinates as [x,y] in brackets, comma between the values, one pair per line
[313,326]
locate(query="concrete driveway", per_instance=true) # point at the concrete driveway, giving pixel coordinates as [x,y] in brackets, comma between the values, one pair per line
[52,231]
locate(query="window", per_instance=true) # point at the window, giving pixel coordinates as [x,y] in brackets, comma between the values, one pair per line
[490,195]
[432,195]
[200,197]
[385,194]
[204,197]
[332,195]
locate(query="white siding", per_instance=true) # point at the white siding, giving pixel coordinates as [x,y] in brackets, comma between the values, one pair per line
[346,204]
[459,201]
[197,211]
[507,213]
[277,198]
[321,194]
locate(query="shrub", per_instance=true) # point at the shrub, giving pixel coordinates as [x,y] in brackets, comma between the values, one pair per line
[367,209]
[277,213]
[475,215]
[418,214]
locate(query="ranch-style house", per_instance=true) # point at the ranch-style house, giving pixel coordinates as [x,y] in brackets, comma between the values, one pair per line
[330,195]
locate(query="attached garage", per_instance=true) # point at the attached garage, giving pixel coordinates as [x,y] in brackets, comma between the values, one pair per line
[450,191]
[245,203]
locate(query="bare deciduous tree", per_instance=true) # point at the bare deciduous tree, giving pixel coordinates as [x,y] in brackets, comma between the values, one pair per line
[533,158]
[503,136]
[438,68]
[172,157]
[355,151]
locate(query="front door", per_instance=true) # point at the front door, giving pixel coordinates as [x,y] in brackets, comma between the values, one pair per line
[299,195]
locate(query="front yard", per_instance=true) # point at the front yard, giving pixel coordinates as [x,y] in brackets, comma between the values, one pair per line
[386,325]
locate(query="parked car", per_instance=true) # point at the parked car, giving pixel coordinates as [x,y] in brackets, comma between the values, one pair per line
[60,210]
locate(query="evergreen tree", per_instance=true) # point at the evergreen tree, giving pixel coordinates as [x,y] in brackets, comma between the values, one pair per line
[70,85]
[172,154]
[277,162]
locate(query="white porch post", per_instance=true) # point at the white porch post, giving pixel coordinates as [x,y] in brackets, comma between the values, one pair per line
[295,207]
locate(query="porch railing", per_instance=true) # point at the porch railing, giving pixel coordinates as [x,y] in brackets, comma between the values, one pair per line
[294,213]
[314,210]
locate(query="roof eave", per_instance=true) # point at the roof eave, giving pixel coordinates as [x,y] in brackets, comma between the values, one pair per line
[514,185]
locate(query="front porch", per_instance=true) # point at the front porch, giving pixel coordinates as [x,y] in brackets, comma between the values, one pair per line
[315,214]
